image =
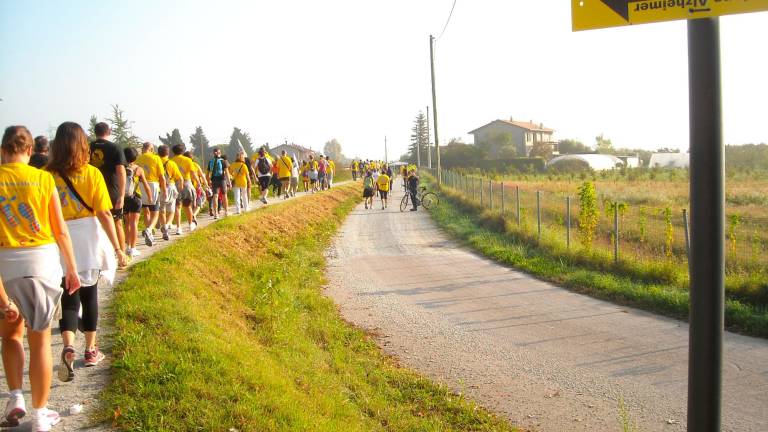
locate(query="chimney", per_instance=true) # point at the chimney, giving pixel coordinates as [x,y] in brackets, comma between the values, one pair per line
[511,119]
[531,121]
[541,125]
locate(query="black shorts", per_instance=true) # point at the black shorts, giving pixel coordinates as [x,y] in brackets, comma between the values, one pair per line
[367,193]
[383,194]
[132,204]
[264,181]
[218,183]
[152,207]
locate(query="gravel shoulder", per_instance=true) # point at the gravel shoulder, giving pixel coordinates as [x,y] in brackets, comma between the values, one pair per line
[546,358]
[89,382]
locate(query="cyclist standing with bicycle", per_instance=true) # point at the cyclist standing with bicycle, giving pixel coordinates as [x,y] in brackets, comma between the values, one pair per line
[413,188]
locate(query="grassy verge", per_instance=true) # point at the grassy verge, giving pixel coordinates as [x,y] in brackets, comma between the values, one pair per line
[228,328]
[494,237]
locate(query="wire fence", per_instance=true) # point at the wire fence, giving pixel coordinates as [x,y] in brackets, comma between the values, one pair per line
[641,233]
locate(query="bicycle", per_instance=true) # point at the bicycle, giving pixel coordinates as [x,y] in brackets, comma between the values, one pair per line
[426,199]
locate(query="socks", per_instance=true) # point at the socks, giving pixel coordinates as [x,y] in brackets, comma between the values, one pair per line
[16,393]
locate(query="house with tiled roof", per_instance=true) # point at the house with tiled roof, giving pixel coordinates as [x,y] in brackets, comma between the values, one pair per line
[295,150]
[524,135]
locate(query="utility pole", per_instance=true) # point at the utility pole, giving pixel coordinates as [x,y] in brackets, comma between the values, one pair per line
[434,106]
[386,160]
[429,149]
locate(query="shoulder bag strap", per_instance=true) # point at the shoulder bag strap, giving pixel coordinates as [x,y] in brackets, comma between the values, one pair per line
[75,193]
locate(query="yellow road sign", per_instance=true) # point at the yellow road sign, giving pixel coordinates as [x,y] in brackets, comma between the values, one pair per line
[594,14]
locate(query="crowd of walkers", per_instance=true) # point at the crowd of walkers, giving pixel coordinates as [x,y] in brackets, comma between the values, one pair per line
[71,210]
[378,179]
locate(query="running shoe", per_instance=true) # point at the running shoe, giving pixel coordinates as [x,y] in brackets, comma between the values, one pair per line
[133,253]
[192,227]
[67,368]
[148,240]
[93,357]
[164,230]
[14,410]
[45,419]
[264,200]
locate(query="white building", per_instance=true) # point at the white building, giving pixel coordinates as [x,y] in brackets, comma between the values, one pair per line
[524,135]
[596,162]
[669,160]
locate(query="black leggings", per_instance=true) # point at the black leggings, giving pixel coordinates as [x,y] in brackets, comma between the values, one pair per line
[70,306]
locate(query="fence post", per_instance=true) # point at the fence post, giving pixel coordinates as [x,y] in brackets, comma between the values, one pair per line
[502,198]
[568,222]
[616,232]
[490,194]
[519,219]
[687,239]
[481,191]
[538,214]
[473,190]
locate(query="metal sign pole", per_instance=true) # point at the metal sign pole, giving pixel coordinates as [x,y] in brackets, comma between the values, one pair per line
[707,264]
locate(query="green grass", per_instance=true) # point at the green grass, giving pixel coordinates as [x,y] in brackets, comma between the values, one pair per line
[228,328]
[650,288]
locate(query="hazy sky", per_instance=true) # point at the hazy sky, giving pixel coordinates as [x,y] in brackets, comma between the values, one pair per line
[358,70]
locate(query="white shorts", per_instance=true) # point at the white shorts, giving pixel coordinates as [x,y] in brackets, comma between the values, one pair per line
[151,196]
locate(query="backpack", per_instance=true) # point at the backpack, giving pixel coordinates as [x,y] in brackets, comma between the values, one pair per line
[368,182]
[130,184]
[216,167]
[263,166]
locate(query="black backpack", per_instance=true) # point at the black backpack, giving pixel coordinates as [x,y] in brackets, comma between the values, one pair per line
[263,166]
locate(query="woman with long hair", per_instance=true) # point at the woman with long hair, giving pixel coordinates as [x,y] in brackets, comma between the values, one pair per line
[86,207]
[33,235]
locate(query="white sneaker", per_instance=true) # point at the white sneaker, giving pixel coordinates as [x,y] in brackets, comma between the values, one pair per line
[192,227]
[132,252]
[14,410]
[178,231]
[44,420]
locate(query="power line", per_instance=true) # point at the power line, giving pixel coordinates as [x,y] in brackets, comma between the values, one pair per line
[448,20]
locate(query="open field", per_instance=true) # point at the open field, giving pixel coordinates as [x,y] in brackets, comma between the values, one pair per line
[256,346]
[652,240]
[657,283]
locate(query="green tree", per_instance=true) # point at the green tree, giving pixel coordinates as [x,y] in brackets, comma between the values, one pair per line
[122,129]
[419,139]
[571,146]
[332,149]
[499,145]
[173,138]
[542,150]
[603,145]
[199,142]
[92,127]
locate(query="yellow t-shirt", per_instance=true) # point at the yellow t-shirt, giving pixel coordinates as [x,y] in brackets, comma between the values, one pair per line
[313,165]
[89,183]
[186,166]
[383,182]
[25,194]
[239,172]
[331,167]
[284,165]
[152,166]
[171,169]
[198,170]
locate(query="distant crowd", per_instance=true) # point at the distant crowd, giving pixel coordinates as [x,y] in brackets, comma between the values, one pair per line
[378,178]
[70,214]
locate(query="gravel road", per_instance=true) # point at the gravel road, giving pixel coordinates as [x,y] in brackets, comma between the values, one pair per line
[546,358]
[90,382]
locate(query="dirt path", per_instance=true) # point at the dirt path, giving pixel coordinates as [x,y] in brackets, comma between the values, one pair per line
[89,382]
[547,358]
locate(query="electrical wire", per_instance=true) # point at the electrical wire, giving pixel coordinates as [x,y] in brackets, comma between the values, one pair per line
[448,20]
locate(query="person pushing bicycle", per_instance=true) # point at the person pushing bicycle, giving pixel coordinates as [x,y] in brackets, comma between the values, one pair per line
[413,188]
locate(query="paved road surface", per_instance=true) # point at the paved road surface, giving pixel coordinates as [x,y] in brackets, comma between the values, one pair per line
[547,358]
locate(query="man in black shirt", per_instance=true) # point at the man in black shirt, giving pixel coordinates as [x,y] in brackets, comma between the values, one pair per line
[110,160]
[39,158]
[413,188]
